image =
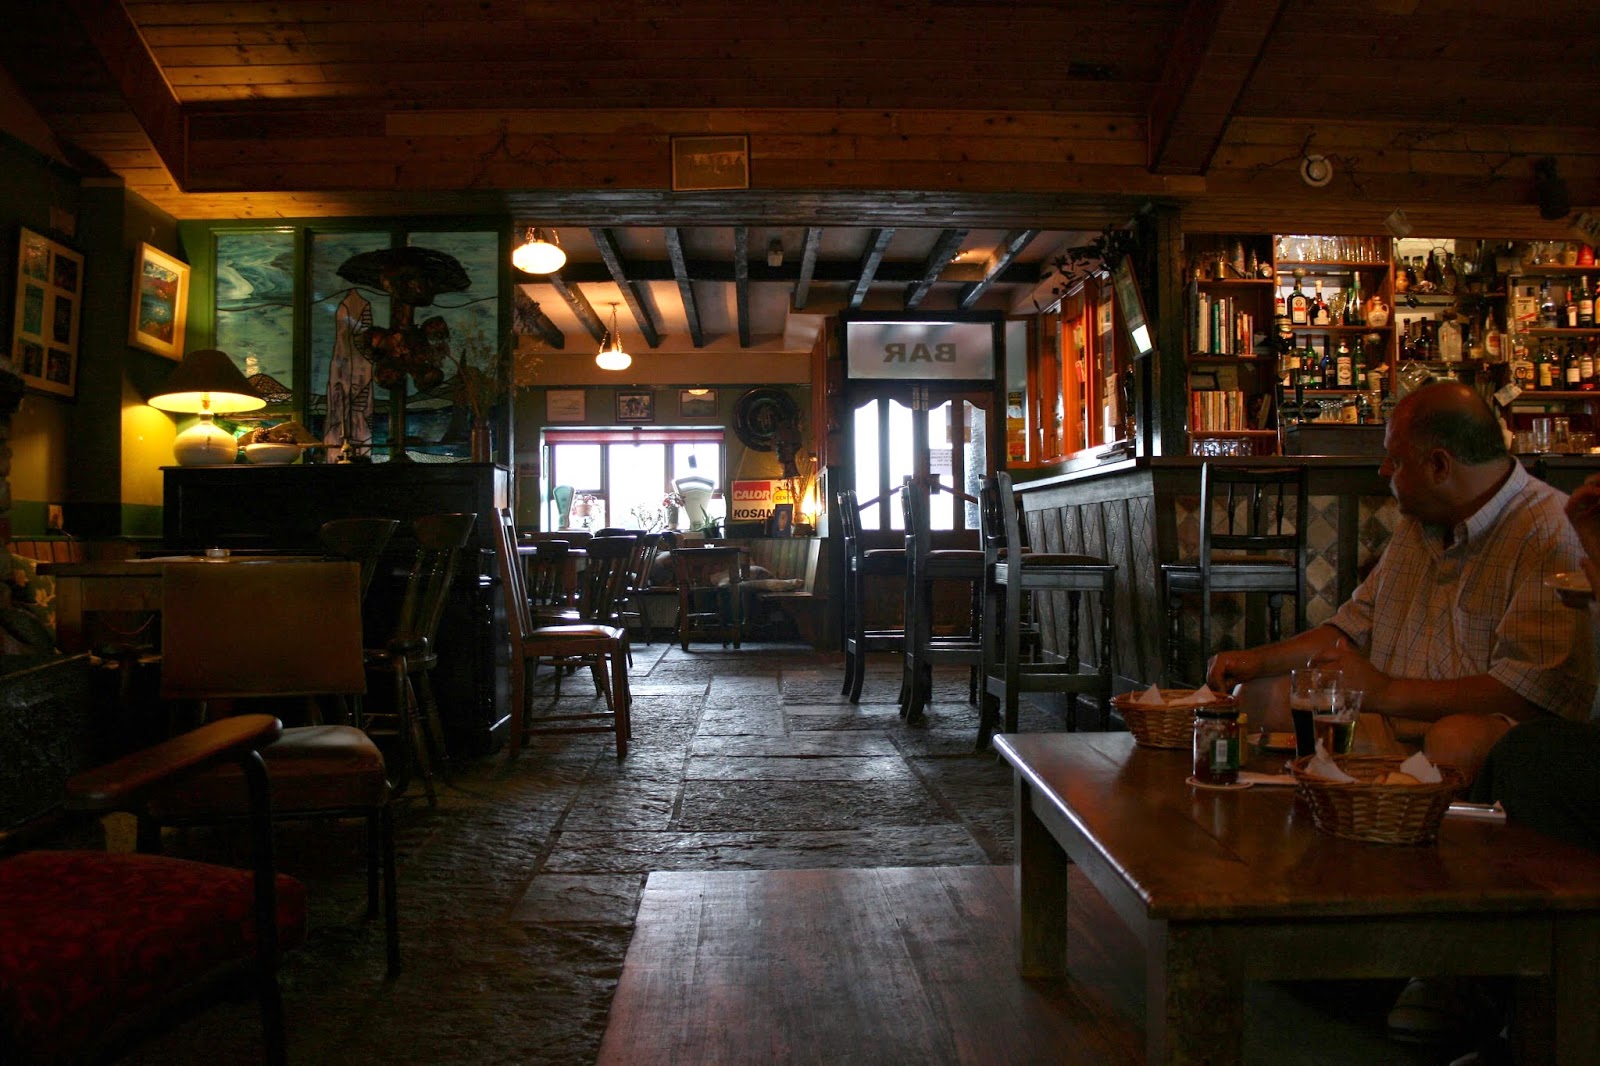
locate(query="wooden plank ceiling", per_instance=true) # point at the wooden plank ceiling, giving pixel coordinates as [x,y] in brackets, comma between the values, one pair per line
[884,138]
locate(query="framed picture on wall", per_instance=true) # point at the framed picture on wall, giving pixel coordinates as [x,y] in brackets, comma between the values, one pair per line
[635,406]
[44,337]
[564,405]
[160,302]
[697,403]
[717,162]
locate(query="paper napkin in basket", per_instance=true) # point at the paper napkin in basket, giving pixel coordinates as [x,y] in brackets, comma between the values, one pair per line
[1151,697]
[1322,765]
[1421,769]
[1199,697]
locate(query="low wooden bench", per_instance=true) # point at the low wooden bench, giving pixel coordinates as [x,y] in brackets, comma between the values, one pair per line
[802,606]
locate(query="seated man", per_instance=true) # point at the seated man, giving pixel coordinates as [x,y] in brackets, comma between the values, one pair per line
[1453,636]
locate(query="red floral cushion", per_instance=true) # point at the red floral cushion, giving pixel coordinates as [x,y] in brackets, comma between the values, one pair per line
[87,938]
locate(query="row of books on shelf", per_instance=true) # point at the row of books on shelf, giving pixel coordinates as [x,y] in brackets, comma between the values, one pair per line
[1219,328]
[1218,410]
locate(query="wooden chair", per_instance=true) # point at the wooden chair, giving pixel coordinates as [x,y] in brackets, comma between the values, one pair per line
[863,564]
[1011,574]
[305,642]
[412,650]
[1245,512]
[546,574]
[361,540]
[598,646]
[630,608]
[100,950]
[925,568]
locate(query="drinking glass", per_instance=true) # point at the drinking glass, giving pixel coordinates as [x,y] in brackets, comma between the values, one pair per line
[1335,726]
[1311,690]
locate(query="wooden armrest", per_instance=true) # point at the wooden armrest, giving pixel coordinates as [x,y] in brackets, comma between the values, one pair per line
[120,784]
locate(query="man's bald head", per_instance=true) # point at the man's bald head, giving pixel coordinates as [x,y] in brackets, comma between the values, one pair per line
[1451,416]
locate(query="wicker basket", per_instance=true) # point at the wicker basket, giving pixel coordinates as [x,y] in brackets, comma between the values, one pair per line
[1380,814]
[1162,727]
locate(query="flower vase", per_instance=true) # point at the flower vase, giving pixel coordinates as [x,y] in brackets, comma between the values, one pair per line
[672,517]
[482,443]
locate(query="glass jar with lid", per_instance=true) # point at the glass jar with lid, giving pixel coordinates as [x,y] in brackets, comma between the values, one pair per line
[1216,744]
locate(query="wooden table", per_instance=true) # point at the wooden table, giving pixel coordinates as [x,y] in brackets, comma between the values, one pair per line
[128,587]
[694,568]
[1228,887]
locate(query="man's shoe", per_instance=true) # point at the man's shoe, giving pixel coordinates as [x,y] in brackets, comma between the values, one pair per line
[1437,1010]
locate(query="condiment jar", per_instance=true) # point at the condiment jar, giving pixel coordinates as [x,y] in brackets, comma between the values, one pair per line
[1216,745]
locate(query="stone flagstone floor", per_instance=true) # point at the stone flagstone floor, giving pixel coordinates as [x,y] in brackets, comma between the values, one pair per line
[518,893]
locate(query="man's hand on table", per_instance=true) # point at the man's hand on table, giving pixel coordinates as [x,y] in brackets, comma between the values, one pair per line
[1230,668]
[1358,672]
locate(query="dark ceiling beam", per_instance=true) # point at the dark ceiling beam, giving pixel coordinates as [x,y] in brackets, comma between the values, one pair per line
[877,244]
[947,245]
[580,305]
[528,318]
[113,35]
[631,295]
[808,267]
[824,271]
[1216,51]
[680,271]
[741,281]
[1010,247]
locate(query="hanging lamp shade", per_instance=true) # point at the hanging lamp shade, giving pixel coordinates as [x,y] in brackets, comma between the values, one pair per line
[539,253]
[611,355]
[206,383]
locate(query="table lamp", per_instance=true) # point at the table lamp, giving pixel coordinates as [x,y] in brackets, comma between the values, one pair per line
[206,383]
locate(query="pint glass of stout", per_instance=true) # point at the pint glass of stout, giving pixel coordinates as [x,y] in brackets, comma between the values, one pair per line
[1311,691]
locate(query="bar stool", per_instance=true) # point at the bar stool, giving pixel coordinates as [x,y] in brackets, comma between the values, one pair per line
[1011,573]
[1265,496]
[862,563]
[926,567]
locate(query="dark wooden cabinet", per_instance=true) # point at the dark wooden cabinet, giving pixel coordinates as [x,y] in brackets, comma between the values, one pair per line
[282,507]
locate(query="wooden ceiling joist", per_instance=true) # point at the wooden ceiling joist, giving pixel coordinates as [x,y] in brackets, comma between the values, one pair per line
[606,242]
[1014,243]
[112,33]
[944,248]
[808,267]
[680,273]
[1218,47]
[741,281]
[580,306]
[877,244]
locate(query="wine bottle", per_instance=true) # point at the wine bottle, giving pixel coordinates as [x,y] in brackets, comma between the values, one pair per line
[1572,372]
[1320,316]
[1586,380]
[1329,372]
[1344,367]
[1299,306]
[1544,373]
[1570,308]
[1585,304]
[1547,306]
[1353,314]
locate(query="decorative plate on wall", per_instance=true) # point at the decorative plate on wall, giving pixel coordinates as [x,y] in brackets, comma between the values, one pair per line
[759,413]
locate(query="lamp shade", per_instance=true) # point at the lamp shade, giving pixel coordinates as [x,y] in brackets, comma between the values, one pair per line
[206,383]
[611,356]
[537,254]
[207,380]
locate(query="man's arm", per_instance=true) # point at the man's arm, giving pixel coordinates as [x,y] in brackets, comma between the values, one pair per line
[1423,699]
[1229,668]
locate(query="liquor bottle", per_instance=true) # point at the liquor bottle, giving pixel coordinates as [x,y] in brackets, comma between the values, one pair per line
[1320,315]
[1585,304]
[1344,367]
[1544,373]
[1547,306]
[1586,380]
[1253,270]
[1330,371]
[1432,273]
[1299,306]
[1571,371]
[1353,314]
[1570,308]
[1403,276]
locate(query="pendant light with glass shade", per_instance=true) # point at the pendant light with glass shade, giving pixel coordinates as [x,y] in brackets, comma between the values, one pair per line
[539,253]
[611,355]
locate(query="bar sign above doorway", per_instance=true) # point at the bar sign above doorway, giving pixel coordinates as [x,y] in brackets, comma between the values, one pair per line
[920,351]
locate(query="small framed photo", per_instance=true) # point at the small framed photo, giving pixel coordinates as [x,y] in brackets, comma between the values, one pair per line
[697,403]
[160,304]
[781,522]
[700,163]
[564,405]
[636,406]
[44,334]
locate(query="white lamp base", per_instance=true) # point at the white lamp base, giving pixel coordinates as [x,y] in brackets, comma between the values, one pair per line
[205,444]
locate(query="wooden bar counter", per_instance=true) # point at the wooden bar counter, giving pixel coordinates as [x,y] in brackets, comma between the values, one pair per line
[1140,513]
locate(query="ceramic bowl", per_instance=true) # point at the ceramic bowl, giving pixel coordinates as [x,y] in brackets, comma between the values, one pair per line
[270,453]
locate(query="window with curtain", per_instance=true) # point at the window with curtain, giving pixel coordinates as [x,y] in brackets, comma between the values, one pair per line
[628,474]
